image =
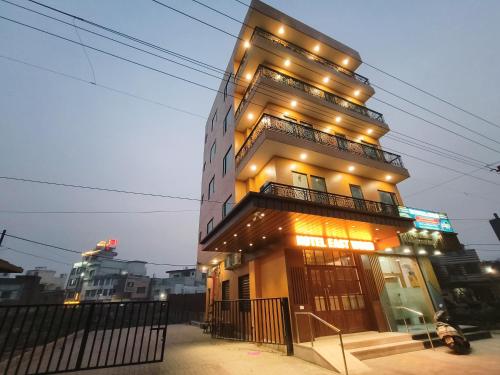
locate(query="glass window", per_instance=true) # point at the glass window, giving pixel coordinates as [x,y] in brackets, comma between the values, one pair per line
[356,192]
[224,128]
[226,162]
[210,225]
[213,151]
[225,87]
[211,187]
[204,166]
[388,198]
[226,207]
[318,183]
[214,119]
[300,180]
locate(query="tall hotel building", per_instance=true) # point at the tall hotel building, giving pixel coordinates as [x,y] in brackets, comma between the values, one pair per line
[298,198]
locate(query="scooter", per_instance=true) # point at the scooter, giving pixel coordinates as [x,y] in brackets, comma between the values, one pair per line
[450,334]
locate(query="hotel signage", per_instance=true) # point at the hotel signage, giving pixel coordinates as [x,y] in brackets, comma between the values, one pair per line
[334,243]
[427,219]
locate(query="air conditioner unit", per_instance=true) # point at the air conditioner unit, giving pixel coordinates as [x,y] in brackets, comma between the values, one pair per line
[232,261]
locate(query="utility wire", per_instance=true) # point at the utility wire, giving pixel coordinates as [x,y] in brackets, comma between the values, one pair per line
[17,212]
[33,255]
[80,253]
[138,40]
[428,93]
[379,100]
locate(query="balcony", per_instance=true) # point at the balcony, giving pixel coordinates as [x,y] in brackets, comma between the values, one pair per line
[277,137]
[277,85]
[329,199]
[278,42]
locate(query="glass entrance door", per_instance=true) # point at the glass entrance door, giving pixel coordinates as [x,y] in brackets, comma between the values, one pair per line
[404,289]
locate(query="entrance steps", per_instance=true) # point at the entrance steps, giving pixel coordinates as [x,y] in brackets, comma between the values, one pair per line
[358,347]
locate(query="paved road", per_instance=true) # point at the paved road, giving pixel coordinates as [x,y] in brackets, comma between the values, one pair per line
[190,352]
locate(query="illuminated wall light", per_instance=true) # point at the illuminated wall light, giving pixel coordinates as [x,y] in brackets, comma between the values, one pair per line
[235,235]
[250,116]
[246,44]
[216,248]
[264,237]
[357,92]
[293,166]
[388,177]
[287,62]
[250,244]
[351,168]
[345,61]
[407,251]
[293,103]
[262,214]
[240,250]
[303,156]
[437,252]
[377,229]
[369,131]
[249,225]
[316,48]
[214,261]
[248,76]
[388,250]
[422,252]
[281,30]
[285,113]
[225,243]
[326,79]
[338,119]
[253,167]
[280,228]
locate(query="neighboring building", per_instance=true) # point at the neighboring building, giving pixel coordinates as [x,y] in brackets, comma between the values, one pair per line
[7,268]
[49,278]
[101,277]
[185,281]
[27,289]
[495,224]
[310,197]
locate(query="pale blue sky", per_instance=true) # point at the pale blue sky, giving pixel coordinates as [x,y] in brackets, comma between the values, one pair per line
[59,129]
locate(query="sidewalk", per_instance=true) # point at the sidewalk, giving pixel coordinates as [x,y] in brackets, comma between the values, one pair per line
[190,352]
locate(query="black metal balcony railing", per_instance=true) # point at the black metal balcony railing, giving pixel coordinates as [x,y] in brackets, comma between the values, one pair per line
[263,71]
[311,56]
[335,200]
[275,124]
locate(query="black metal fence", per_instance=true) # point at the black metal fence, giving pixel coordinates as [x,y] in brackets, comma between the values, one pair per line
[49,339]
[185,308]
[263,320]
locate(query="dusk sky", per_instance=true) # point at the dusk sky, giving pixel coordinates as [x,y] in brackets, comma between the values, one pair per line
[61,129]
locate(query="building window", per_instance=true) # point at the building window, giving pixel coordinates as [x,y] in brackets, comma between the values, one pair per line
[211,187]
[357,194]
[214,119]
[210,226]
[388,198]
[213,150]
[141,290]
[225,294]
[226,207]
[202,198]
[130,284]
[204,166]
[225,87]
[244,292]
[206,137]
[226,162]
[318,183]
[224,128]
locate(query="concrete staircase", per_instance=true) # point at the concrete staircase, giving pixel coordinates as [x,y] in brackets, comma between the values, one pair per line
[358,347]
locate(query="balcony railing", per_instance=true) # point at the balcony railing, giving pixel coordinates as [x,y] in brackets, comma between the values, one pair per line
[310,56]
[263,71]
[334,200]
[275,124]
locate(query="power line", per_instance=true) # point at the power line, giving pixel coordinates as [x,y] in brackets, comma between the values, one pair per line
[15,212]
[146,43]
[382,101]
[401,80]
[483,244]
[35,256]
[80,253]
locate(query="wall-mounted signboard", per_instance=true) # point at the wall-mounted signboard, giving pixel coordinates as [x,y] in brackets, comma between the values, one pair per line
[427,219]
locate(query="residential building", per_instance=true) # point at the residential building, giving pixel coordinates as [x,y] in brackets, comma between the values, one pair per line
[49,278]
[183,281]
[101,277]
[299,199]
[27,289]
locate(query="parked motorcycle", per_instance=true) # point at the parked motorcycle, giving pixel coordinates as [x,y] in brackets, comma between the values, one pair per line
[450,334]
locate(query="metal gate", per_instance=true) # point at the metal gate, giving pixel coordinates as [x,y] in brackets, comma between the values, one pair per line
[50,339]
[260,320]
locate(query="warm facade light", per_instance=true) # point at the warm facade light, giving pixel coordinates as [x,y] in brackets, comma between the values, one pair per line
[262,214]
[248,76]
[316,48]
[351,168]
[240,250]
[287,62]
[250,244]
[293,103]
[338,119]
[280,228]
[345,62]
[407,251]
[357,92]
[422,252]
[293,166]
[303,156]
[437,252]
[250,116]
[264,237]
[326,79]
[249,225]
[281,30]
[225,243]
[246,44]
[388,177]
[388,250]
[369,131]
[253,167]
[235,235]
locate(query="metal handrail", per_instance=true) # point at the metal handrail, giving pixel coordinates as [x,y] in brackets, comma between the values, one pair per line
[419,313]
[329,325]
